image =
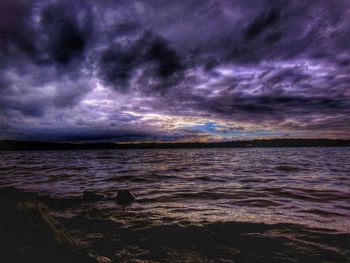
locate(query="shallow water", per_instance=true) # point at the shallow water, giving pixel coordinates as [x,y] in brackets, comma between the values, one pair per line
[303,192]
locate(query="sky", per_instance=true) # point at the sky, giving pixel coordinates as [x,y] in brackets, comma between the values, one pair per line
[174,71]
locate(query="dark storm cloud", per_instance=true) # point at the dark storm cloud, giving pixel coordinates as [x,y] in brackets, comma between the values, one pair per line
[261,23]
[14,17]
[65,30]
[276,107]
[39,42]
[84,134]
[282,64]
[118,64]
[44,31]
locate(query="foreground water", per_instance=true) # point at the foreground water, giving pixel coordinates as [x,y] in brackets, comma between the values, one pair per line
[209,205]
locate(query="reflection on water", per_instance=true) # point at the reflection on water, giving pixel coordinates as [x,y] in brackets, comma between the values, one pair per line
[187,187]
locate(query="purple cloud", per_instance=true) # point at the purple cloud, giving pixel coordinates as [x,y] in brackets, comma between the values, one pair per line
[150,70]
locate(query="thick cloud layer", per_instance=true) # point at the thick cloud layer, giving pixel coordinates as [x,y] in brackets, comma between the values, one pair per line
[116,70]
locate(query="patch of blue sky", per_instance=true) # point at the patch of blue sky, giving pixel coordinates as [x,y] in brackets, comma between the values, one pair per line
[225,131]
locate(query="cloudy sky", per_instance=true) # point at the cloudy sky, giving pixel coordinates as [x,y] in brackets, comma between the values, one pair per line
[183,70]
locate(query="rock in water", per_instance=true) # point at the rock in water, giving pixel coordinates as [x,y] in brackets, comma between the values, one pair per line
[92,196]
[125,197]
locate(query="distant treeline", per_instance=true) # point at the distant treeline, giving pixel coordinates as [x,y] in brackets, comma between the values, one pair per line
[24,145]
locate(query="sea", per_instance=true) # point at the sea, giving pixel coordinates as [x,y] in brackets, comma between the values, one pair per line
[196,205]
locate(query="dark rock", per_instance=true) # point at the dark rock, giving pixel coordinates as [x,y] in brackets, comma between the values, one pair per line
[125,197]
[92,196]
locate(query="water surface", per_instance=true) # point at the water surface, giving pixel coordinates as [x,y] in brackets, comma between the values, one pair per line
[304,193]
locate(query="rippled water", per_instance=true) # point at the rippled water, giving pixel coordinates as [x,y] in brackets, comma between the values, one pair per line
[309,187]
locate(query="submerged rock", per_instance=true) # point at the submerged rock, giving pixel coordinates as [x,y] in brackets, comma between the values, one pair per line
[92,196]
[125,197]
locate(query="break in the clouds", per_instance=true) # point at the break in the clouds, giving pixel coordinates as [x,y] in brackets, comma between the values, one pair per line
[159,70]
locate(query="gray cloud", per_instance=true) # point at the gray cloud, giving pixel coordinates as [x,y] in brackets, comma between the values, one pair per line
[284,65]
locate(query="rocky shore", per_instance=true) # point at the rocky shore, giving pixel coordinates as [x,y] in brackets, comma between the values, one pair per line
[29,233]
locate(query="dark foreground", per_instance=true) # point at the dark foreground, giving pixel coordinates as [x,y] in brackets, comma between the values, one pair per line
[31,232]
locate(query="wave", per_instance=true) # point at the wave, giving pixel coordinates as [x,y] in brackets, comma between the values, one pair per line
[133,235]
[216,242]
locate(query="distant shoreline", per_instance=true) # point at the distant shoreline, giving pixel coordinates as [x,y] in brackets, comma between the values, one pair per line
[31,145]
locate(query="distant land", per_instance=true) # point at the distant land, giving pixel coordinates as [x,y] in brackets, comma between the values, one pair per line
[29,145]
